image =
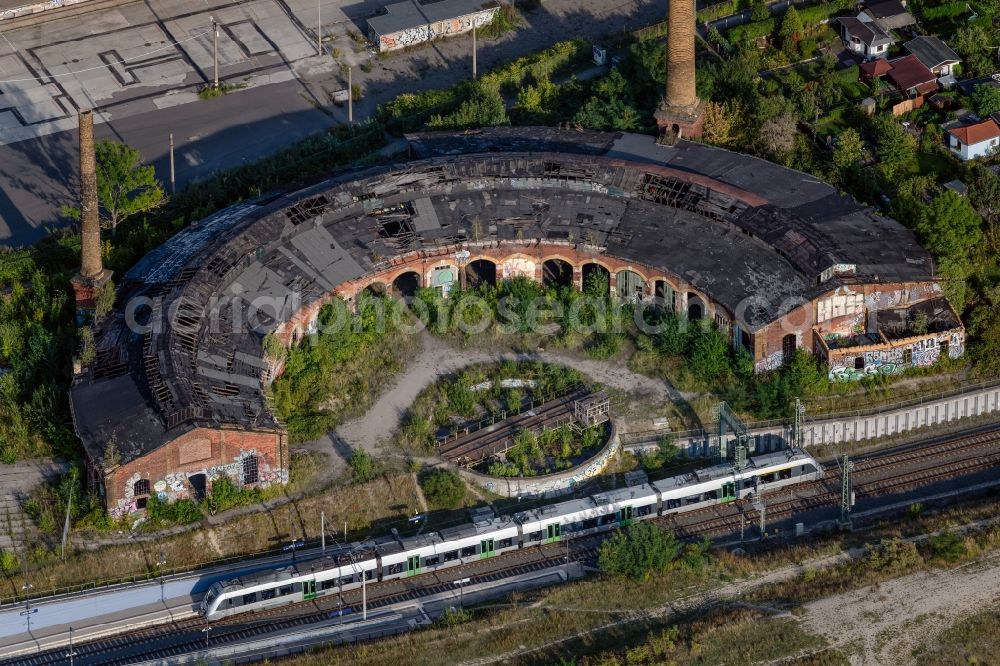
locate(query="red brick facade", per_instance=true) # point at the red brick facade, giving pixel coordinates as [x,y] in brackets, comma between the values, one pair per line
[187,466]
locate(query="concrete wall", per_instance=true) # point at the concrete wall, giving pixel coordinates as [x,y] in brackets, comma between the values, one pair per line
[212,452]
[846,428]
[547,485]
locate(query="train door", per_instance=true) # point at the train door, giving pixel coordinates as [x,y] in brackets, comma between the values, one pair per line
[728,492]
[308,590]
[625,515]
[412,565]
[486,549]
[553,532]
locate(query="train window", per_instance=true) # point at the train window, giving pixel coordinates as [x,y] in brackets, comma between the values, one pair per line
[250,598]
[396,568]
[469,551]
[266,594]
[369,574]
[711,495]
[785,474]
[347,580]
[451,555]
[505,543]
[535,536]
[328,584]
[694,499]
[645,510]
[285,590]
[432,561]
[767,478]
[673,504]
[808,469]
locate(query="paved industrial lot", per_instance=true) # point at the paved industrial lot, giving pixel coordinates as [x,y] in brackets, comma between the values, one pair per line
[141,64]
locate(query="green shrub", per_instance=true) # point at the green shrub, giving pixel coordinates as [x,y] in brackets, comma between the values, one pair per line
[947,546]
[363,467]
[639,551]
[8,562]
[444,488]
[180,512]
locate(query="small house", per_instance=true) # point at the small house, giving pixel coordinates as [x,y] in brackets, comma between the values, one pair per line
[973,140]
[868,40]
[888,14]
[911,76]
[934,54]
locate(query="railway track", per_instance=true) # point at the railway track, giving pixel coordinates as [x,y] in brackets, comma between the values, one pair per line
[492,440]
[878,476]
[189,635]
[886,475]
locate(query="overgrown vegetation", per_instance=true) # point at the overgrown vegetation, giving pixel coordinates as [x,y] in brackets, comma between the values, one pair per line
[340,369]
[444,489]
[479,393]
[644,550]
[548,451]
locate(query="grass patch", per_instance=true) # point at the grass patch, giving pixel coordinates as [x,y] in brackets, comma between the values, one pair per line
[974,640]
[213,92]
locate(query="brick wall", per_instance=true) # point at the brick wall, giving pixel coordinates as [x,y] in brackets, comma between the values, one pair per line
[174,471]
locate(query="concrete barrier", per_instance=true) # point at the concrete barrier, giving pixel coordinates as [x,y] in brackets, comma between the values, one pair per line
[547,485]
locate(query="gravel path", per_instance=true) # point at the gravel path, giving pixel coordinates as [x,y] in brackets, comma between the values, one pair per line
[886,622]
[438,358]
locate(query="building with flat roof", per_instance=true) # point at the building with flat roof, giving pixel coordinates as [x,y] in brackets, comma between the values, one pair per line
[411,22]
[777,259]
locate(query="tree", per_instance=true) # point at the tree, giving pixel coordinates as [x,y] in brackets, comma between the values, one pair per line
[894,146]
[759,11]
[950,227]
[639,551]
[848,152]
[708,353]
[985,100]
[484,107]
[124,185]
[791,29]
[104,300]
[720,122]
[971,43]
[984,195]
[610,106]
[444,488]
[777,135]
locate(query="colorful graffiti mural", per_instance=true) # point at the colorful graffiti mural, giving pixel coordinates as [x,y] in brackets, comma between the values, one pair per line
[428,32]
[770,362]
[920,353]
[177,485]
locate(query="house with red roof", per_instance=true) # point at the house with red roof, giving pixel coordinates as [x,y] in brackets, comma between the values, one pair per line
[979,139]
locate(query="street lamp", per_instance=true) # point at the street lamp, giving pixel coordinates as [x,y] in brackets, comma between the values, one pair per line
[215,51]
[207,629]
[71,653]
[28,610]
[160,563]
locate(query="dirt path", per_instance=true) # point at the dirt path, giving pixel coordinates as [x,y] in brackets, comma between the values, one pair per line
[438,358]
[885,623]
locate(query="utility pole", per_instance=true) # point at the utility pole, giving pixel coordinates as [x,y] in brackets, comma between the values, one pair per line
[364,594]
[71,652]
[473,52]
[350,94]
[173,182]
[65,534]
[215,59]
[846,493]
[322,532]
[319,28]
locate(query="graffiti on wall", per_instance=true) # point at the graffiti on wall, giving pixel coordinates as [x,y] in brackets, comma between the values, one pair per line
[518,267]
[177,485]
[920,353]
[425,33]
[770,362]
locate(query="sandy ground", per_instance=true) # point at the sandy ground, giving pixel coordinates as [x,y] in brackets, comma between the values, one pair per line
[883,624]
[373,430]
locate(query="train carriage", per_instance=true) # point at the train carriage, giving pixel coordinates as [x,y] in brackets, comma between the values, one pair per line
[479,540]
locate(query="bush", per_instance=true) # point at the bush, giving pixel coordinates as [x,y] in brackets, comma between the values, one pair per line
[8,561]
[444,488]
[947,546]
[363,467]
[181,512]
[639,551]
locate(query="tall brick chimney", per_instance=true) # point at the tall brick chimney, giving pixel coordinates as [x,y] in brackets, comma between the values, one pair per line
[92,273]
[680,114]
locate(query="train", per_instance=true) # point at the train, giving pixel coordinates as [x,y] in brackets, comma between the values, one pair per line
[394,556]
